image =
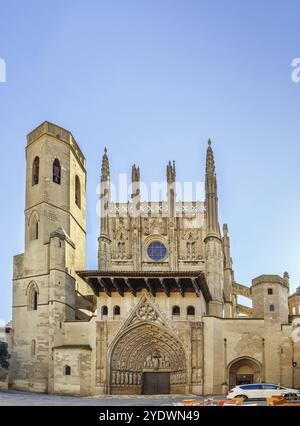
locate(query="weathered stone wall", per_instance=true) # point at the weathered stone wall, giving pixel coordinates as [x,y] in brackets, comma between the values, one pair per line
[265,341]
[128,301]
[3,379]
[28,371]
[79,380]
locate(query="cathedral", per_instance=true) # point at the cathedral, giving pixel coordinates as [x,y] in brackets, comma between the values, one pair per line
[160,314]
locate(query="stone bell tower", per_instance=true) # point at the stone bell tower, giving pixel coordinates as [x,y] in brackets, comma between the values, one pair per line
[44,278]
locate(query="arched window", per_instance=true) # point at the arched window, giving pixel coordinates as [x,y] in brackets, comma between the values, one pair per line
[34,227]
[77,192]
[56,171]
[67,370]
[33,296]
[190,310]
[117,310]
[190,247]
[271,308]
[35,301]
[176,310]
[121,250]
[104,311]
[33,347]
[36,171]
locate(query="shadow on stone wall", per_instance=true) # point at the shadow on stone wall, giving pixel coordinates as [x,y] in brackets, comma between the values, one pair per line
[3,379]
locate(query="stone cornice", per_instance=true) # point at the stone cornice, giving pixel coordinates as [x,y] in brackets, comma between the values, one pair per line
[59,133]
[269,279]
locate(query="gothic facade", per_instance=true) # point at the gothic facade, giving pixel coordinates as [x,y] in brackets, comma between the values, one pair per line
[161,312]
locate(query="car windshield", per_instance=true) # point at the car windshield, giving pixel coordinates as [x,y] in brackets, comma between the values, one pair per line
[272,387]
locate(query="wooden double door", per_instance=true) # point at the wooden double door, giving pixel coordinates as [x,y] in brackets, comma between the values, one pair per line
[156,383]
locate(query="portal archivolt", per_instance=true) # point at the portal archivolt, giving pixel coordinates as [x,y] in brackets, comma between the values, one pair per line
[146,347]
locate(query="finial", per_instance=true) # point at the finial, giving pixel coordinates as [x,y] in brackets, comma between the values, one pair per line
[171,172]
[135,174]
[286,278]
[225,229]
[210,163]
[105,166]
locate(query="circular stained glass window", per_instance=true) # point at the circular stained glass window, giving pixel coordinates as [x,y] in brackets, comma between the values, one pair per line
[156,251]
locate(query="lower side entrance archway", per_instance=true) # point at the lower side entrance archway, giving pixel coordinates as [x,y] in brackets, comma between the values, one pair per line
[244,370]
[148,359]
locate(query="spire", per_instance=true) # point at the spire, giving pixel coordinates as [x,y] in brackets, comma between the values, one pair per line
[214,264]
[225,230]
[105,167]
[105,194]
[211,192]
[136,191]
[226,247]
[210,162]
[135,174]
[171,172]
[171,179]
[286,278]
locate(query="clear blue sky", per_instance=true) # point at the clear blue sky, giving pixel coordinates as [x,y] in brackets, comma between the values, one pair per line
[153,80]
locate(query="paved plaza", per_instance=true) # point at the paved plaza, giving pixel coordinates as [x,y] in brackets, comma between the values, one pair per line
[13,398]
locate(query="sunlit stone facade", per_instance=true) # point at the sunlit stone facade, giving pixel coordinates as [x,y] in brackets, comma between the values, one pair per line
[160,315]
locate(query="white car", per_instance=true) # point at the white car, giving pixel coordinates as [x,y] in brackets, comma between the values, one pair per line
[260,391]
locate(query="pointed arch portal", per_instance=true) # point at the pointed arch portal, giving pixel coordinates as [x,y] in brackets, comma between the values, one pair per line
[244,370]
[147,358]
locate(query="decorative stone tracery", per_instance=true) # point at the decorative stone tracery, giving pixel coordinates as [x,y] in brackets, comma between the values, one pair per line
[146,312]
